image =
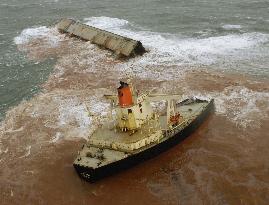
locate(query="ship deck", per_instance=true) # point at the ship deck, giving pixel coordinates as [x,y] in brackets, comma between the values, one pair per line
[107,145]
[108,136]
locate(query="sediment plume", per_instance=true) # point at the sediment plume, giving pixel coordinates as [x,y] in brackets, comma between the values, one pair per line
[40,137]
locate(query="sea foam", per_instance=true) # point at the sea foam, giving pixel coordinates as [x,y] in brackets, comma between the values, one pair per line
[167,49]
[104,22]
[231,26]
[42,32]
[168,58]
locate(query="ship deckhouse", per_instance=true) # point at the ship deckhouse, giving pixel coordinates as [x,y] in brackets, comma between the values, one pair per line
[133,110]
[135,133]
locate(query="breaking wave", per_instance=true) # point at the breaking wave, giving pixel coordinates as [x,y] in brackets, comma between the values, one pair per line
[82,66]
[42,32]
[231,27]
[167,49]
[241,105]
[106,23]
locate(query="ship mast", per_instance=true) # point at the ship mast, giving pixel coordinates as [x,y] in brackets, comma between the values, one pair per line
[171,103]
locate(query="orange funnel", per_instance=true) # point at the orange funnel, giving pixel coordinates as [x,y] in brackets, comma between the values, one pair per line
[125,95]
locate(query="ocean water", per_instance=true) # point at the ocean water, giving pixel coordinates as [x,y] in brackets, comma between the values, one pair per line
[49,82]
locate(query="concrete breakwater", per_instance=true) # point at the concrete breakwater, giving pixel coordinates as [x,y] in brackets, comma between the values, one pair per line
[119,44]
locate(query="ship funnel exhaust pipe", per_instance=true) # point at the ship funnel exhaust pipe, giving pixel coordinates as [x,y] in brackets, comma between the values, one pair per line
[125,95]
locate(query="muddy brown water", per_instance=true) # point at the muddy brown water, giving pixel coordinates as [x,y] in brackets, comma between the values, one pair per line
[225,161]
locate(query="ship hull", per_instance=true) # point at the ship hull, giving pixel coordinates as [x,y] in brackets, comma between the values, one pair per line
[92,175]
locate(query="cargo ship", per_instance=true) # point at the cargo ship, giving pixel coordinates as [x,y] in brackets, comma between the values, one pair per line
[134,132]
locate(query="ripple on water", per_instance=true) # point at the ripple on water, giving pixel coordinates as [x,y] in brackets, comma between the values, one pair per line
[213,165]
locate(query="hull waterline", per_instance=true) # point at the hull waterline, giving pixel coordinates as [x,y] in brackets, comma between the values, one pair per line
[92,175]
